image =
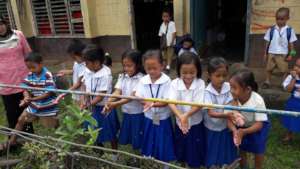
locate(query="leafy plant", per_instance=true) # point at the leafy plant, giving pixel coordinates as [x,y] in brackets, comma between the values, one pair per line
[37,156]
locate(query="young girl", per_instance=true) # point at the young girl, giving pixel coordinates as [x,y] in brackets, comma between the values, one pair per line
[158,132]
[219,143]
[98,79]
[189,133]
[75,51]
[252,136]
[132,126]
[292,84]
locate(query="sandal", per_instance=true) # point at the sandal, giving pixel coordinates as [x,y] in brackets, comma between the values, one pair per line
[265,85]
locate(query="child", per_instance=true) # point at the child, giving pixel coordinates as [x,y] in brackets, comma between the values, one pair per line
[158,132]
[280,39]
[167,31]
[132,126]
[75,51]
[187,45]
[292,84]
[219,143]
[189,133]
[39,104]
[98,79]
[252,136]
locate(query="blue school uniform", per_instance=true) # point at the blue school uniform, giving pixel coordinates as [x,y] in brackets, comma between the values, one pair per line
[189,147]
[131,131]
[255,142]
[101,81]
[220,149]
[158,139]
[293,104]
[43,107]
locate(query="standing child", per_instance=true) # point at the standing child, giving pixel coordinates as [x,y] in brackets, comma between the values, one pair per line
[158,132]
[279,46]
[98,79]
[39,104]
[75,51]
[292,84]
[167,32]
[132,126]
[251,137]
[219,143]
[189,133]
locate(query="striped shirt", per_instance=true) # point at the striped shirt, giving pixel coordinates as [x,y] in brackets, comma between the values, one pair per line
[43,107]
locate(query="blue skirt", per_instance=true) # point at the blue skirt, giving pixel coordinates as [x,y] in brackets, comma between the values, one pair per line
[220,148]
[289,122]
[190,147]
[132,130]
[158,140]
[256,142]
[108,125]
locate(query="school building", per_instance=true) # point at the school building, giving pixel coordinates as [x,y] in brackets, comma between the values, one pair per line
[232,29]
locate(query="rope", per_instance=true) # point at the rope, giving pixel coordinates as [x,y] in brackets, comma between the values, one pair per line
[177,102]
[22,134]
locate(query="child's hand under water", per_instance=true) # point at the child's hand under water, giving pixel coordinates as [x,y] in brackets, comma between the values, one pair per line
[238,137]
[184,123]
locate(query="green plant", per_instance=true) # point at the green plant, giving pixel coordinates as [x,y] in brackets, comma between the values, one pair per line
[71,127]
[37,156]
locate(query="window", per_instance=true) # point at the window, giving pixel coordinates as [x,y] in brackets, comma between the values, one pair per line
[58,17]
[6,10]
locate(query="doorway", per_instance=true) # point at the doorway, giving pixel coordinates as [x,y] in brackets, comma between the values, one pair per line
[147,18]
[222,26]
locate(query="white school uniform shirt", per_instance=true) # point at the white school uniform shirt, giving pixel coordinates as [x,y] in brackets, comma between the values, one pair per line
[276,46]
[212,96]
[128,85]
[195,93]
[181,51]
[99,81]
[78,71]
[143,89]
[255,101]
[287,81]
[171,30]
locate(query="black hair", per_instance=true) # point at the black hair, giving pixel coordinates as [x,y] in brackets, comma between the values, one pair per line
[156,54]
[108,60]
[283,10]
[76,47]
[136,57]
[34,57]
[189,58]
[187,39]
[9,31]
[93,53]
[245,78]
[166,10]
[215,63]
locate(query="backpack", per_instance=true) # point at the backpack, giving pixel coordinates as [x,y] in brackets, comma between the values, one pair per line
[288,35]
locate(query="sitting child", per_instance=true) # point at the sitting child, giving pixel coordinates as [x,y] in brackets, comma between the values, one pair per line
[187,45]
[40,104]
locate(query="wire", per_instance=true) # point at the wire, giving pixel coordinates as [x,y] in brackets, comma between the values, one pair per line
[177,102]
[21,134]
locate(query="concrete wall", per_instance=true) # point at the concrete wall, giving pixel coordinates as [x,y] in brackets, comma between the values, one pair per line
[106,17]
[182,16]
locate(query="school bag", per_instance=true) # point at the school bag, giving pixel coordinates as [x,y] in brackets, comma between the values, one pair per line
[288,35]
[163,39]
